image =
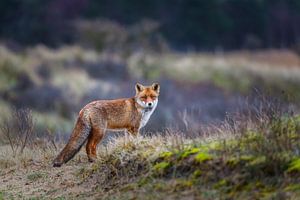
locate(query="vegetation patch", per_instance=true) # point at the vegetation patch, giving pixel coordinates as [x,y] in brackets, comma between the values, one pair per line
[189,152]
[253,165]
[294,166]
[36,176]
[202,157]
[1,195]
[6,163]
[161,167]
[292,187]
[258,161]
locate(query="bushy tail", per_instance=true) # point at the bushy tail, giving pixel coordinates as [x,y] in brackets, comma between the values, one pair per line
[79,136]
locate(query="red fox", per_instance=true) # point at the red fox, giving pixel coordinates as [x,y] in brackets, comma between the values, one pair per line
[130,114]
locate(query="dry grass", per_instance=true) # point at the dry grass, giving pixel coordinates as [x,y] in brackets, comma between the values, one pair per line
[246,156]
[31,174]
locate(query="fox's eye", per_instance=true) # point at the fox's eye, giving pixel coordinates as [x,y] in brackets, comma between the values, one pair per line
[143,97]
[153,97]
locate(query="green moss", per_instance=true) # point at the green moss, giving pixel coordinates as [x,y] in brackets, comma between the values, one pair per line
[181,185]
[161,166]
[257,161]
[165,155]
[232,161]
[220,184]
[247,158]
[197,173]
[202,157]
[292,187]
[189,152]
[294,166]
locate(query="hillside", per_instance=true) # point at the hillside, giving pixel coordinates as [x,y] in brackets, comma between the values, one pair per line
[247,158]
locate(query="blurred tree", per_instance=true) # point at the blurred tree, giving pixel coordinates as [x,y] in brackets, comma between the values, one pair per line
[34,21]
[198,24]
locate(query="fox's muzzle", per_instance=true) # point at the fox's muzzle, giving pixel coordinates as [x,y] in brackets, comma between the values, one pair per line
[149,104]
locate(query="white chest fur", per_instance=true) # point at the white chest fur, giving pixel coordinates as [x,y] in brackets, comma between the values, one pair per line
[146,114]
[145,117]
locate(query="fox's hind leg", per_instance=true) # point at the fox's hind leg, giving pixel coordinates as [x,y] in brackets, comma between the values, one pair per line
[91,147]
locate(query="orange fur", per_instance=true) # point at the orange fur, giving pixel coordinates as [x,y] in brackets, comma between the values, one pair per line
[98,116]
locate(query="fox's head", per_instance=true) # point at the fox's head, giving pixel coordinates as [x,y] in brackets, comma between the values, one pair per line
[147,96]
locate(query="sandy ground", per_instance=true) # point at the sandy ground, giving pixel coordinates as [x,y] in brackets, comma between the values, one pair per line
[44,181]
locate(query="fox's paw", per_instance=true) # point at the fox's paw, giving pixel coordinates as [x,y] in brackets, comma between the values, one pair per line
[92,159]
[57,164]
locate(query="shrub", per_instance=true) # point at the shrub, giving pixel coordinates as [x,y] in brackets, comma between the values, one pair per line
[18,130]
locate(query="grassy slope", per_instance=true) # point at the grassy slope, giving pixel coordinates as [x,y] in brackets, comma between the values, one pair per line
[259,160]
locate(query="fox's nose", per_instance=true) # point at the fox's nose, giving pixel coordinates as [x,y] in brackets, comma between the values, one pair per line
[150,104]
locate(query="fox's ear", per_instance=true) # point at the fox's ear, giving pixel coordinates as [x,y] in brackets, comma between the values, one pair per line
[155,87]
[139,87]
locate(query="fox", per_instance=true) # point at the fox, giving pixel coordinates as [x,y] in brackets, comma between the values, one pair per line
[94,119]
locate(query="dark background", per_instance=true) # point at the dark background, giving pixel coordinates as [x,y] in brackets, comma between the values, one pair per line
[185,24]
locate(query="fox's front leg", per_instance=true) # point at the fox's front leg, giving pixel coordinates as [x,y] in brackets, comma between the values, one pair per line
[133,131]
